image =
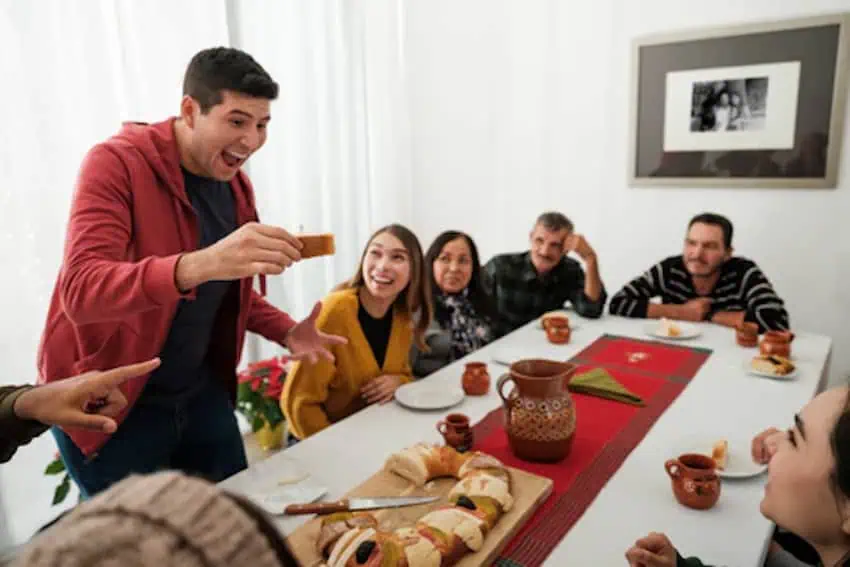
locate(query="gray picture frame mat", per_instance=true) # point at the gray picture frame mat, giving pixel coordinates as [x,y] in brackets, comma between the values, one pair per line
[741,45]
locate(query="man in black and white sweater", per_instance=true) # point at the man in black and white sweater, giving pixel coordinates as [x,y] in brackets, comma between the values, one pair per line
[705,283]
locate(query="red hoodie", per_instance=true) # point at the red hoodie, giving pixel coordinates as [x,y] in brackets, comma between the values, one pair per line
[115,296]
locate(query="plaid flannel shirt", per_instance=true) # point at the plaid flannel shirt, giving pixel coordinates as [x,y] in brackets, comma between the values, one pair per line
[520,295]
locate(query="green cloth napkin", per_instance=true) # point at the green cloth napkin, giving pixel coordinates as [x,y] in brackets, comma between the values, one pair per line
[598,382]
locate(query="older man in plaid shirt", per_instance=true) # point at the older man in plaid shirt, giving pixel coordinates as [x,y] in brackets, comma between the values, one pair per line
[526,285]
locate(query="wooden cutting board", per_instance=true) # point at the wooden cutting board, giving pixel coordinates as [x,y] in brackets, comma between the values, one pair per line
[529,491]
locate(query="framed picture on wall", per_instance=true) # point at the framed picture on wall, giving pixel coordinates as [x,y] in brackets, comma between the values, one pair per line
[758,105]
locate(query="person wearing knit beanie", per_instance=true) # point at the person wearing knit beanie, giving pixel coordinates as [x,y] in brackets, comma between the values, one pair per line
[166,519]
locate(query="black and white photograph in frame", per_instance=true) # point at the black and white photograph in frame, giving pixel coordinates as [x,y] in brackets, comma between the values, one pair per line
[729,105]
[756,105]
[726,108]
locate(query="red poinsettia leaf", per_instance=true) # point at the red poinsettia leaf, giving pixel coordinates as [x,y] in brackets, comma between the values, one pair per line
[273,391]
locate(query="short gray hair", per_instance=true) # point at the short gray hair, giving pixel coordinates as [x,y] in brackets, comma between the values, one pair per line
[553,220]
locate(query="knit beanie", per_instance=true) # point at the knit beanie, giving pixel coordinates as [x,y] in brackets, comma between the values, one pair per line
[161,520]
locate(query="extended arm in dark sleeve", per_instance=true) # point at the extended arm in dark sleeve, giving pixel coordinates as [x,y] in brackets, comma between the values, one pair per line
[633,300]
[14,431]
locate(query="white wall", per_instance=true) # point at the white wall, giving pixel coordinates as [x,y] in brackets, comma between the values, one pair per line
[83,67]
[519,106]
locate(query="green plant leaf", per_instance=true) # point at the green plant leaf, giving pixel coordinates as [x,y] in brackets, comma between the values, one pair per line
[257,423]
[272,413]
[62,490]
[243,391]
[56,467]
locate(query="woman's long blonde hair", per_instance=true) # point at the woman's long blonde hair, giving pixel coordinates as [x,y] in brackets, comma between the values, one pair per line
[415,298]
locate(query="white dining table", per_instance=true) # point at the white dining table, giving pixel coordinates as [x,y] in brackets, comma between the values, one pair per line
[721,401]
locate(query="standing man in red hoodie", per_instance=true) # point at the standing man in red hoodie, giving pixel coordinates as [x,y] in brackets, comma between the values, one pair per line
[162,248]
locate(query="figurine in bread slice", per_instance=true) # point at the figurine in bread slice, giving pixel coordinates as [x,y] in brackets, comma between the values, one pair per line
[720,454]
[772,364]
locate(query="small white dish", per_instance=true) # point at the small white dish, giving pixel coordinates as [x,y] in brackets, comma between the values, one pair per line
[686,331]
[429,395]
[790,376]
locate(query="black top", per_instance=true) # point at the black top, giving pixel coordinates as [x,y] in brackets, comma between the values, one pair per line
[377,332]
[742,286]
[184,369]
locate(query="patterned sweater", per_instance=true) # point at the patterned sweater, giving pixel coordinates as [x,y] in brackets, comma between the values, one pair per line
[742,286]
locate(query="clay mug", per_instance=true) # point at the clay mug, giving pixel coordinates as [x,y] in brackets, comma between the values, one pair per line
[456,431]
[694,480]
[777,343]
[747,334]
[475,379]
[557,328]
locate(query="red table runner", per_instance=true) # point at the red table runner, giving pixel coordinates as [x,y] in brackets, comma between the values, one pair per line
[606,432]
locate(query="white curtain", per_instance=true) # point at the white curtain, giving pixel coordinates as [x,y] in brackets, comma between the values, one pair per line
[337,158]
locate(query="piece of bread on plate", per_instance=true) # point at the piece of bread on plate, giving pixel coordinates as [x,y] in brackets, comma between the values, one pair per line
[720,454]
[669,328]
[772,364]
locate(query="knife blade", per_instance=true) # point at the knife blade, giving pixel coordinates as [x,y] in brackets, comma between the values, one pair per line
[353,504]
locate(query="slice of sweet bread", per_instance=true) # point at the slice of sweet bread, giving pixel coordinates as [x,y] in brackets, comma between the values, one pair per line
[772,364]
[720,453]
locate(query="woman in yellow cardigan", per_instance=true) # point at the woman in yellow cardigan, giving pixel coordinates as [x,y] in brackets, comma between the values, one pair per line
[375,311]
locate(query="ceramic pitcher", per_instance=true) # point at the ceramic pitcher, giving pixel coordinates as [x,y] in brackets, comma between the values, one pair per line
[540,416]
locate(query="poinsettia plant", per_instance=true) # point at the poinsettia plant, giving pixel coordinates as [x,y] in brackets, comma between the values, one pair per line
[258,393]
[56,468]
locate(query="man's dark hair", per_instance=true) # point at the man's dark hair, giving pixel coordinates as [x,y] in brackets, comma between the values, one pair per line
[552,220]
[715,220]
[218,69]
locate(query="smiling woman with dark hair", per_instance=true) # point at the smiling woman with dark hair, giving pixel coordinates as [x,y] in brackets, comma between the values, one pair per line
[463,313]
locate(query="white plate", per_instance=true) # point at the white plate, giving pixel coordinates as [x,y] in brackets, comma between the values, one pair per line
[429,395]
[790,376]
[739,463]
[276,500]
[688,331]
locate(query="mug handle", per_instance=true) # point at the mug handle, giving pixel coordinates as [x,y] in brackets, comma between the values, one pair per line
[503,379]
[442,428]
[673,467]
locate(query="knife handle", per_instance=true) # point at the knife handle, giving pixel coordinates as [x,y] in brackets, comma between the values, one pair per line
[316,508]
